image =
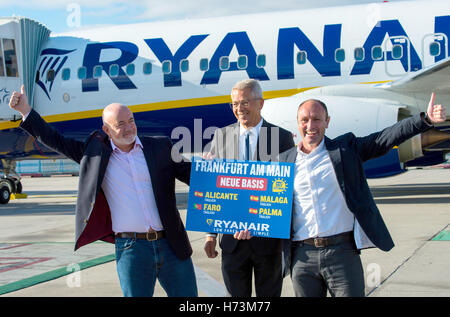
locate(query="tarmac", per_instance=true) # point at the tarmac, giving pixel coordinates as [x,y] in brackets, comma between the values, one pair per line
[37,241]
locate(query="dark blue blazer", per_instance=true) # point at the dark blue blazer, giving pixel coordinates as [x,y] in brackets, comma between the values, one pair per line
[92,215]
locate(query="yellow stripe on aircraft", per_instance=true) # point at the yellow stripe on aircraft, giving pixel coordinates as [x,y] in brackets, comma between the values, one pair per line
[204,101]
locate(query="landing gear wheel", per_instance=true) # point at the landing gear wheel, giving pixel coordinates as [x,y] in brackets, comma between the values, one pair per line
[5,195]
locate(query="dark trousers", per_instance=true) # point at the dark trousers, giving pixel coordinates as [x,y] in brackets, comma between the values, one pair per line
[336,268]
[238,268]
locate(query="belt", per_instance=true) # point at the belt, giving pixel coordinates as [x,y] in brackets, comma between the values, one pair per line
[331,240]
[150,236]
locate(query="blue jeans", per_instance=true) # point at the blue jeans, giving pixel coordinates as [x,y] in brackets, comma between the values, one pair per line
[141,262]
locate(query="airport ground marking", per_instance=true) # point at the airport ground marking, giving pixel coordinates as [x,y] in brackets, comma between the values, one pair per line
[442,236]
[51,275]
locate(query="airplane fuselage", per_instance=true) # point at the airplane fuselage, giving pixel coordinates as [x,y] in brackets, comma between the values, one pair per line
[171,73]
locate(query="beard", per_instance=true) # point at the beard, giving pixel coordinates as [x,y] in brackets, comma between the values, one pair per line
[125,139]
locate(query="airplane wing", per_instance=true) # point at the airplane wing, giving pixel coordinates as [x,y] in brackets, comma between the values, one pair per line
[432,78]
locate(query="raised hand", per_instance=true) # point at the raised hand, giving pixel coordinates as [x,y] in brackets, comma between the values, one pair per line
[19,102]
[436,113]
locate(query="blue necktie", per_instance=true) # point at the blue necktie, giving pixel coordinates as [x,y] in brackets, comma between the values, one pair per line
[247,147]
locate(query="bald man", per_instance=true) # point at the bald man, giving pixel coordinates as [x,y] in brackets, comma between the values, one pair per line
[126,196]
[334,215]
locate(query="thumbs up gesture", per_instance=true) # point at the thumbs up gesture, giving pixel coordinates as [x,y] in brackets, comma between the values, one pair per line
[19,102]
[436,113]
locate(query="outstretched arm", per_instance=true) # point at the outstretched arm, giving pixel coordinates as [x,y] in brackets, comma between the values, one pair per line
[46,134]
[379,143]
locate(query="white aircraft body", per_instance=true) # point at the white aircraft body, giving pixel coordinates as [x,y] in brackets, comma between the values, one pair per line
[371,64]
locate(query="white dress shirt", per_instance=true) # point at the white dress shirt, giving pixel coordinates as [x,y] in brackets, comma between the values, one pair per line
[128,190]
[253,134]
[320,209]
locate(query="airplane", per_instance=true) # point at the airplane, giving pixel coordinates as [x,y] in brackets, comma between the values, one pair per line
[371,64]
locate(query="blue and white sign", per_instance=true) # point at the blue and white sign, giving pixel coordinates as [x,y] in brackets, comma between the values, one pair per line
[227,196]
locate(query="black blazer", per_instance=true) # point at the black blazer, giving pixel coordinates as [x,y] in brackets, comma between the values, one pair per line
[347,154]
[93,217]
[272,140]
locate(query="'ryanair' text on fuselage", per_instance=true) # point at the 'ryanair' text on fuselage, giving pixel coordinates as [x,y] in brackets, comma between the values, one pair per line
[290,40]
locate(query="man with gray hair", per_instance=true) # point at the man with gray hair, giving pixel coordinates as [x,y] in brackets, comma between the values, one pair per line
[250,138]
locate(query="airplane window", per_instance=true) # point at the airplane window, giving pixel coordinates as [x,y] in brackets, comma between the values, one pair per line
[301,57]
[224,63]
[82,73]
[242,62]
[377,53]
[66,74]
[9,53]
[50,75]
[435,49]
[359,53]
[166,67]
[397,51]
[114,70]
[2,68]
[184,65]
[339,55]
[130,69]
[204,64]
[261,60]
[147,68]
[98,71]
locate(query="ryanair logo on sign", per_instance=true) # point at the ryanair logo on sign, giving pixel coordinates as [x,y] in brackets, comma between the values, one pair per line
[231,227]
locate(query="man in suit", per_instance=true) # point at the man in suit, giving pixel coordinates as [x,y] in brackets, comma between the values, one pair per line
[334,214]
[250,138]
[126,196]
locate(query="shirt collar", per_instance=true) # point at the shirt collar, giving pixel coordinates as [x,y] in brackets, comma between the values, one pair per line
[256,128]
[137,143]
[318,149]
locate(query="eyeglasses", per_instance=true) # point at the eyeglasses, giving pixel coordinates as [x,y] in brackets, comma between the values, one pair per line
[243,103]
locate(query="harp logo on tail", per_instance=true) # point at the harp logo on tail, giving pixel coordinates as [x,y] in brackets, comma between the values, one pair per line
[51,64]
